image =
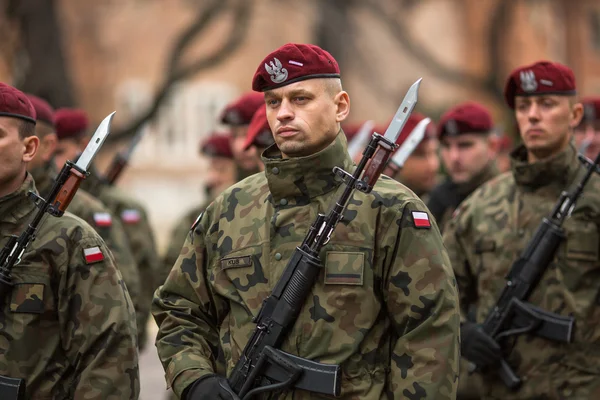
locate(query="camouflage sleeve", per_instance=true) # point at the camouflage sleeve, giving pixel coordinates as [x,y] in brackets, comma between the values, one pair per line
[98,325]
[453,238]
[178,236]
[422,301]
[187,313]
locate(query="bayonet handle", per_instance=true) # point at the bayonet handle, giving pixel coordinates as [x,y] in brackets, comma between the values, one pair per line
[67,192]
[376,166]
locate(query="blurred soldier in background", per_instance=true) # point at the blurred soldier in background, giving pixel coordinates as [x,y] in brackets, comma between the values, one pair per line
[505,146]
[72,132]
[587,133]
[237,115]
[259,135]
[468,149]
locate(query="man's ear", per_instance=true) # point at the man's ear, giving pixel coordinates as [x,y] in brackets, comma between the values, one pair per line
[493,144]
[31,144]
[342,102]
[576,115]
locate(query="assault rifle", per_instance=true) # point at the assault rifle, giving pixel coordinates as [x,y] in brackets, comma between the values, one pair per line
[262,367]
[121,159]
[513,315]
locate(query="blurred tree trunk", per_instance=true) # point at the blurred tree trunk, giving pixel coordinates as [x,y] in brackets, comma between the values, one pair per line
[44,70]
[334,27]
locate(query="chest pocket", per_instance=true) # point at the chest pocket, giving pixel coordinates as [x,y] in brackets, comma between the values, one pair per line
[31,292]
[344,268]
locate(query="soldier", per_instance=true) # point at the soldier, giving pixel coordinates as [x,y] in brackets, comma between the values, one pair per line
[493,226]
[237,115]
[587,133]
[385,305]
[468,148]
[71,129]
[505,146]
[420,170]
[219,174]
[84,205]
[68,325]
[259,135]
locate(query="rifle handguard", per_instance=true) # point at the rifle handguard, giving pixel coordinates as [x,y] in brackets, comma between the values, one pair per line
[375,167]
[67,192]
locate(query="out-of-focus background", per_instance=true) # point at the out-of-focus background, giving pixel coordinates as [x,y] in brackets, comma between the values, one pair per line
[170,66]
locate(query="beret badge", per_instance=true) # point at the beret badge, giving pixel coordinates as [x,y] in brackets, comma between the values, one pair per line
[276,71]
[528,82]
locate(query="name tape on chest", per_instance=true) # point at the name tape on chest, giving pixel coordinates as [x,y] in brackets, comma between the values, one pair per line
[93,255]
[131,216]
[421,219]
[102,219]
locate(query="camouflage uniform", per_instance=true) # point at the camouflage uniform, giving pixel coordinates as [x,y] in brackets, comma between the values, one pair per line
[445,197]
[385,306]
[141,240]
[86,207]
[178,236]
[490,231]
[68,326]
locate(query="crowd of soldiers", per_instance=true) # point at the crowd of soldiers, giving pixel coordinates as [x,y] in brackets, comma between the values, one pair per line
[406,280]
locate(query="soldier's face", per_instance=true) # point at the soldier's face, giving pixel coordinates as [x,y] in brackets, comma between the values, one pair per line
[420,169]
[246,159]
[305,116]
[466,155]
[587,135]
[546,122]
[220,174]
[15,154]
[48,141]
[66,149]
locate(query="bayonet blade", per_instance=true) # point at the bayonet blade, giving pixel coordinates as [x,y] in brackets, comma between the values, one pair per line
[357,145]
[408,104]
[411,143]
[88,154]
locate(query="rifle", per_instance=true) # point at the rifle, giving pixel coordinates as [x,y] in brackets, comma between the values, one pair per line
[412,141]
[121,159]
[513,315]
[262,361]
[58,200]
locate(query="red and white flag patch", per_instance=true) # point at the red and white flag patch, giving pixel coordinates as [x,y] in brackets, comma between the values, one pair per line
[421,219]
[93,255]
[102,219]
[131,216]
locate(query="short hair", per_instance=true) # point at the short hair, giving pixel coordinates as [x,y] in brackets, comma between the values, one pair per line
[332,85]
[43,129]
[26,129]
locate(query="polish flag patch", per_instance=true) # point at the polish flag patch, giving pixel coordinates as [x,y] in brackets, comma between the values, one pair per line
[131,216]
[93,255]
[102,219]
[421,219]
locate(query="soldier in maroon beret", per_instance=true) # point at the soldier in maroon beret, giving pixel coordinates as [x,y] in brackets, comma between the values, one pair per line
[259,134]
[505,147]
[238,115]
[491,229]
[384,306]
[420,170]
[587,133]
[468,150]
[45,131]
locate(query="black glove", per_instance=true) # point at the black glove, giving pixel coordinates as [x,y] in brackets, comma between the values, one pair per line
[210,387]
[477,346]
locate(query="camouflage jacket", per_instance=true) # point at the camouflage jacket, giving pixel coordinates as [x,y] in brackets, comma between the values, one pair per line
[492,228]
[68,326]
[384,307]
[141,240]
[178,236]
[445,197]
[92,211]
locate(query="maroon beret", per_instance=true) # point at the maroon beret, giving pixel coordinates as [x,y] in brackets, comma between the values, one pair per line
[467,117]
[218,144]
[292,63]
[352,129]
[411,124]
[591,109]
[70,123]
[43,109]
[14,103]
[542,77]
[240,111]
[259,131]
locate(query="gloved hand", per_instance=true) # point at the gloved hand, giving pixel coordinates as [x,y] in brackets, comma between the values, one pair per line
[477,346]
[210,387]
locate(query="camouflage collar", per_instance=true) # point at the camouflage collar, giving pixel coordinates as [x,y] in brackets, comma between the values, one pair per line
[295,181]
[44,177]
[15,206]
[557,170]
